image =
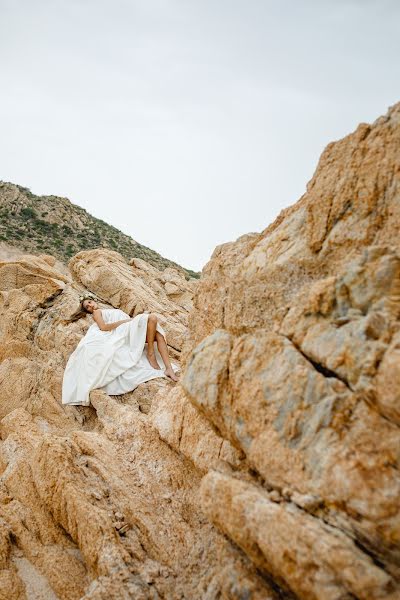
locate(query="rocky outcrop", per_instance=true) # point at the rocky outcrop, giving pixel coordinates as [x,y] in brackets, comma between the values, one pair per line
[138,287]
[93,502]
[11,253]
[293,353]
[54,225]
[271,470]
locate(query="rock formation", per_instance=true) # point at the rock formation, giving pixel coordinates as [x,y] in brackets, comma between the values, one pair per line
[56,226]
[271,470]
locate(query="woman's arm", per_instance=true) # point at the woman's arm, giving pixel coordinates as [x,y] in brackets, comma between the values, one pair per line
[97,316]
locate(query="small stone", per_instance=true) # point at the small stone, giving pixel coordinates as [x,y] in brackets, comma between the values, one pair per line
[124,529]
[275,496]
[341,321]
[306,501]
[374,325]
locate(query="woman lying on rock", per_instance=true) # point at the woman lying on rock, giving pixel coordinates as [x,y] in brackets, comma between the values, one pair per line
[117,353]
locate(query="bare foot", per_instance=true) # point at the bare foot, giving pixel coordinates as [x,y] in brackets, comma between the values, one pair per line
[151,357]
[170,373]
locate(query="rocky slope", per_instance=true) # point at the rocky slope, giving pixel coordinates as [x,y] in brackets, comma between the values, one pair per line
[271,470]
[56,226]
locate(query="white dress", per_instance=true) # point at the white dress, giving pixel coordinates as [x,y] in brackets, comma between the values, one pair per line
[114,360]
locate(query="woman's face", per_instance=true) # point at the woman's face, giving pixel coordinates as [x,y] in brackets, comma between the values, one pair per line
[90,305]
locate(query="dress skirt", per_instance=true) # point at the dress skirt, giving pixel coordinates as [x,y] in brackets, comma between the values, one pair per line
[114,360]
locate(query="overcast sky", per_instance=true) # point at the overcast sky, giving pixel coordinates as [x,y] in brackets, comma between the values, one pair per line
[187,123]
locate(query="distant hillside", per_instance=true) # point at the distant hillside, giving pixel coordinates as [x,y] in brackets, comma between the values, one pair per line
[53,225]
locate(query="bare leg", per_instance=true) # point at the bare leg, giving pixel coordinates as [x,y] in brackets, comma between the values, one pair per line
[163,350]
[150,336]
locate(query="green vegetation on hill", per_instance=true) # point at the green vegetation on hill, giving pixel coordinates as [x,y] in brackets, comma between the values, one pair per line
[53,225]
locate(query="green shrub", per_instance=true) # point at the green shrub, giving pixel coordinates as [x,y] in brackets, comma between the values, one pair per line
[28,213]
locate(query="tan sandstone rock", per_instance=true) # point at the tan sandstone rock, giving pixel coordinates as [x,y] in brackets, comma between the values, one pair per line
[293,345]
[96,489]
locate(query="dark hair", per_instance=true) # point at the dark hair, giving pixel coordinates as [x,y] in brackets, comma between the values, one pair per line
[80,312]
[81,304]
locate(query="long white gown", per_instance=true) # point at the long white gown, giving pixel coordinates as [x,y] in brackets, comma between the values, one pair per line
[114,360]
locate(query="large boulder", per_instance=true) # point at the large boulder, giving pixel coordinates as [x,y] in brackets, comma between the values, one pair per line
[293,357]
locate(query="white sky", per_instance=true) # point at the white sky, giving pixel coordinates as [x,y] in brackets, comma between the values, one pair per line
[187,123]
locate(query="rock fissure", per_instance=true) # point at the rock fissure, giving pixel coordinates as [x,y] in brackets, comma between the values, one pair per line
[318,366]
